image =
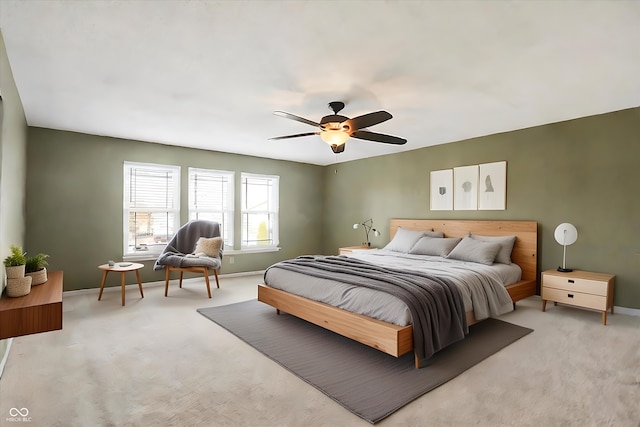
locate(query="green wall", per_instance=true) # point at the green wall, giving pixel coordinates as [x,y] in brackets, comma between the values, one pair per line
[74,202]
[13,166]
[582,171]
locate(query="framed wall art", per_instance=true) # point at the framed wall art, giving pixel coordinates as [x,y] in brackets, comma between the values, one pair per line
[441,184]
[465,188]
[492,194]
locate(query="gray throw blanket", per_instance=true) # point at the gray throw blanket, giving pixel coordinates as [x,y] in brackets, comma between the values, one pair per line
[179,250]
[435,304]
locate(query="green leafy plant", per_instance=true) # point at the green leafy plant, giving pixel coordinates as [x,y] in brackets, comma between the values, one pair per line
[36,263]
[16,258]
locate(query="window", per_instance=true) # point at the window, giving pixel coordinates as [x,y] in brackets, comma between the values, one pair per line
[259,211]
[211,198]
[151,207]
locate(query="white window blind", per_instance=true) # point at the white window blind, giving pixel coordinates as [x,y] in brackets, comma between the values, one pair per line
[260,205]
[211,198]
[151,207]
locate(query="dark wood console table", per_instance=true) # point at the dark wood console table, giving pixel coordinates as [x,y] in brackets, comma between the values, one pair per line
[39,311]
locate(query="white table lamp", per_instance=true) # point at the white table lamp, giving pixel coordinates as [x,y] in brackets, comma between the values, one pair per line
[565,234]
[368,227]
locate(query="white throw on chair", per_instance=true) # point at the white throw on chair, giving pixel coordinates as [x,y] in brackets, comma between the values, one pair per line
[197,247]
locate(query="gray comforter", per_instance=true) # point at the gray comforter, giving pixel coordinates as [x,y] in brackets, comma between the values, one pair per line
[436,305]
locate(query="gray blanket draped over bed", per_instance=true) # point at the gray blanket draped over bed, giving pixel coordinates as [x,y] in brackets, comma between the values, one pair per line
[435,304]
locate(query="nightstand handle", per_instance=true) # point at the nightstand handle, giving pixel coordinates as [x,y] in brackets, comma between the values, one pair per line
[571,281]
[570,295]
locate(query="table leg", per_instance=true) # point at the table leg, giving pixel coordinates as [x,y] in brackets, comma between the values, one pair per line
[139,283]
[122,281]
[604,317]
[544,304]
[104,279]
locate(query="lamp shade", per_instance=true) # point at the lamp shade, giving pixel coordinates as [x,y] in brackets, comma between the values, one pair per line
[332,137]
[566,234]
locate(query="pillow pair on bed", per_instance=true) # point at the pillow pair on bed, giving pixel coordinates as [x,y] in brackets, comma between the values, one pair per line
[435,247]
[405,239]
[506,246]
[473,248]
[484,249]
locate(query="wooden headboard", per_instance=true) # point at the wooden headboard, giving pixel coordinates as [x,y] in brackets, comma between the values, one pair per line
[525,249]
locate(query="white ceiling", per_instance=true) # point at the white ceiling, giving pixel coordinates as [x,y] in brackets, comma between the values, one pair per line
[209,74]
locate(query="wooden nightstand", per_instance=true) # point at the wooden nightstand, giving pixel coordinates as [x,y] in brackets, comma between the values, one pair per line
[350,249]
[580,288]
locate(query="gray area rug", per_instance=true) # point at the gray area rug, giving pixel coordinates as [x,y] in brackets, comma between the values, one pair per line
[367,382]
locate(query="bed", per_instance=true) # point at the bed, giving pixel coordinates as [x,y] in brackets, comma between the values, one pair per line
[398,339]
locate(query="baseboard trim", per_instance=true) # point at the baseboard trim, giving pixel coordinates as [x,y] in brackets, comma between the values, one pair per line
[5,356]
[159,283]
[626,310]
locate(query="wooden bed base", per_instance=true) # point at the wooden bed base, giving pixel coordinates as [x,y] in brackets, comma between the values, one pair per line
[398,340]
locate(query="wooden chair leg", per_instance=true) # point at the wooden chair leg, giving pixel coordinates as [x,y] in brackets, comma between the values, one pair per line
[166,283]
[217,282]
[181,278]
[206,279]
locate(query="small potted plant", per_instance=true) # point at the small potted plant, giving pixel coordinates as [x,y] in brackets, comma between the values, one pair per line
[18,284]
[15,263]
[35,267]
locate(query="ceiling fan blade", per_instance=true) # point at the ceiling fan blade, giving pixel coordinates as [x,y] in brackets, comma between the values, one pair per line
[367,120]
[296,118]
[295,136]
[378,137]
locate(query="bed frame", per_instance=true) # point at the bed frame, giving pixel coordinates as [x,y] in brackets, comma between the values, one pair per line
[398,340]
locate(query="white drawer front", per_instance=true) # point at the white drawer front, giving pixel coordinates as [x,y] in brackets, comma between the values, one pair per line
[596,302]
[575,284]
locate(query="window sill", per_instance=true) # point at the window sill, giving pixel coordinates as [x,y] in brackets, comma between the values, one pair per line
[154,256]
[251,250]
[141,257]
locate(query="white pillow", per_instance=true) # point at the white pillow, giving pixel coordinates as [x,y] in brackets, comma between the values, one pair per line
[475,251]
[434,233]
[435,246]
[506,246]
[404,240]
[208,246]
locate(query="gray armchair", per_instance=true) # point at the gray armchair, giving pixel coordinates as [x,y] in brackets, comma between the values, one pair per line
[185,252]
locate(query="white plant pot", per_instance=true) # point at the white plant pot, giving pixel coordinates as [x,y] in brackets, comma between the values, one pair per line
[18,287]
[38,277]
[15,272]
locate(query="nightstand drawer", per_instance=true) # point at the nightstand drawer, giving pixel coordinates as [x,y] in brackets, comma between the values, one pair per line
[597,302]
[575,284]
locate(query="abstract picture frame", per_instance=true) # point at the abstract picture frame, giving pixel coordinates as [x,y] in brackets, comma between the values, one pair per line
[465,188]
[492,194]
[441,190]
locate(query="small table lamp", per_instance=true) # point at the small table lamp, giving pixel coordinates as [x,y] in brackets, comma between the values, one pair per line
[565,234]
[368,227]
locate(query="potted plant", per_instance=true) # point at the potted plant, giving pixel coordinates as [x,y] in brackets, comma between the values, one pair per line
[15,263]
[35,267]
[17,284]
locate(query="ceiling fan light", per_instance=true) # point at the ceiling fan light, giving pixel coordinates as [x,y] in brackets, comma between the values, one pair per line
[334,137]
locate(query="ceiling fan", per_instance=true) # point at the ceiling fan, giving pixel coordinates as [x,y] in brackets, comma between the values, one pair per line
[335,129]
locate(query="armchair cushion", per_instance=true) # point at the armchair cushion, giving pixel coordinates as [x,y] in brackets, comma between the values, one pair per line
[208,246]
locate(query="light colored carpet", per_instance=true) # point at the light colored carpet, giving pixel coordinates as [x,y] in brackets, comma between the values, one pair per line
[366,381]
[157,362]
